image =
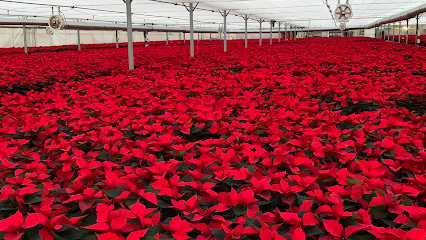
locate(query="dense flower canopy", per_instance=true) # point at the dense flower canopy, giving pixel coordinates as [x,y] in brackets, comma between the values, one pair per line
[306,139]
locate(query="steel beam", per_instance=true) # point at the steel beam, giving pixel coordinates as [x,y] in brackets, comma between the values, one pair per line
[260,33]
[389,32]
[406,40]
[191,27]
[245,31]
[417,29]
[399,17]
[285,31]
[400,26]
[130,33]
[167,38]
[270,34]
[393,32]
[279,32]
[225,43]
[108,26]
[78,39]
[25,39]
[116,38]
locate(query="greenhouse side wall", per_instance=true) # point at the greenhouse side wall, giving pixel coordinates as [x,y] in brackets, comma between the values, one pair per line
[37,37]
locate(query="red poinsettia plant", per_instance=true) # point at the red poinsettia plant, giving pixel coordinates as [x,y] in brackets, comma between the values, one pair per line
[304,139]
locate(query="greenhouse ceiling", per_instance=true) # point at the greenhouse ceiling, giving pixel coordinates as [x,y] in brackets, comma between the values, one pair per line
[303,13]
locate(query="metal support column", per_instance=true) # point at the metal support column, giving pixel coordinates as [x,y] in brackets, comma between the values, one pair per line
[167,38]
[210,36]
[191,35]
[384,32]
[260,33]
[406,39]
[145,38]
[184,38]
[116,39]
[279,31]
[400,26]
[389,32]
[417,29]
[225,43]
[285,31]
[291,32]
[78,39]
[130,33]
[245,32]
[270,34]
[393,32]
[25,39]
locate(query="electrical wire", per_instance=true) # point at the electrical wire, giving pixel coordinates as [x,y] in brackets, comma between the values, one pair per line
[91,9]
[331,12]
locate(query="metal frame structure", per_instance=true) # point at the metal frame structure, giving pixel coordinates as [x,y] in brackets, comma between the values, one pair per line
[400,26]
[78,40]
[393,33]
[406,38]
[279,31]
[25,38]
[130,33]
[417,29]
[191,10]
[285,32]
[260,31]
[116,38]
[225,43]
[246,18]
[129,27]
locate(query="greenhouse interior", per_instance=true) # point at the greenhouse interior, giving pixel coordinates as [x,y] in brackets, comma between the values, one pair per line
[213,120]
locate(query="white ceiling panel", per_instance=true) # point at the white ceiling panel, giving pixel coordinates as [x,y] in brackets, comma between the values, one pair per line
[304,13]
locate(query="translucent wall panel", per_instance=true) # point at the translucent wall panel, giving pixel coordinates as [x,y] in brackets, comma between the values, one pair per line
[36,37]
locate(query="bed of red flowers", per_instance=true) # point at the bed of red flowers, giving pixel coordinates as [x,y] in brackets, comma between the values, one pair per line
[307,139]
[411,39]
